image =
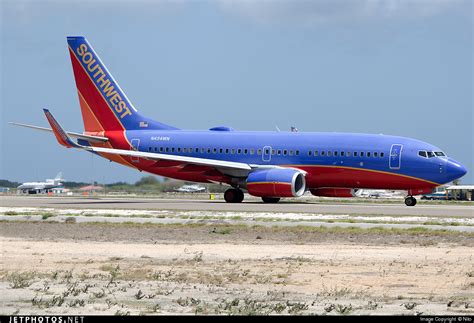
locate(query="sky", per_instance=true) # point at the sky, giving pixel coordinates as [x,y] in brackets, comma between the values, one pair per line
[395,67]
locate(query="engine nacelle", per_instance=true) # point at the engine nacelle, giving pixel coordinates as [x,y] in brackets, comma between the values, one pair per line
[333,192]
[278,182]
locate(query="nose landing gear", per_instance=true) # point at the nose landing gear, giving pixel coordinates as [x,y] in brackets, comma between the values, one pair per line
[410,201]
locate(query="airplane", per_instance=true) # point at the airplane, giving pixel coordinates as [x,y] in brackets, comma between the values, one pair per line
[41,187]
[191,189]
[269,165]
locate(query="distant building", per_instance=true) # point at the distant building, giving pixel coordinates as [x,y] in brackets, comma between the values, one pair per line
[4,190]
[461,192]
[91,188]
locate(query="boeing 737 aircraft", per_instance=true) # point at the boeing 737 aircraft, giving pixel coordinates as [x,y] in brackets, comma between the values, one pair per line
[270,165]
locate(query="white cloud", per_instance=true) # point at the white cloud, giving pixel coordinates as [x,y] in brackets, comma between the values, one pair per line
[324,11]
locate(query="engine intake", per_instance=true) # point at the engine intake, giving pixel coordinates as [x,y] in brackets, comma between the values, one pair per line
[276,183]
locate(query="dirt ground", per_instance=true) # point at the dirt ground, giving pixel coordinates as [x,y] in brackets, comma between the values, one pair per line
[59,268]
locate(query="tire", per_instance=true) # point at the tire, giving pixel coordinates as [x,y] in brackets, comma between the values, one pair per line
[410,201]
[240,196]
[270,199]
[233,195]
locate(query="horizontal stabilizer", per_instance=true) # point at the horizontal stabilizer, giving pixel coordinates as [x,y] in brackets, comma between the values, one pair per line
[71,134]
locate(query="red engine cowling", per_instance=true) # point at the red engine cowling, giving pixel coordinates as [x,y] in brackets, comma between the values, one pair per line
[333,192]
[281,182]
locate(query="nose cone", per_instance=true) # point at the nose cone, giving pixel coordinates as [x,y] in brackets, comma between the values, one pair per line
[455,170]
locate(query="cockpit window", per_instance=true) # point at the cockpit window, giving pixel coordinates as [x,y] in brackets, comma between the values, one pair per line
[440,154]
[430,154]
[422,153]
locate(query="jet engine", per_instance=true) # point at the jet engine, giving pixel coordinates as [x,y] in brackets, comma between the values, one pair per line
[333,192]
[276,182]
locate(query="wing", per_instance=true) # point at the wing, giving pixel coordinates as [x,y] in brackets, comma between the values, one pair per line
[227,167]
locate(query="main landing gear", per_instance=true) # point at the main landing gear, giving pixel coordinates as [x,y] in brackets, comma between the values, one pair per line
[270,199]
[410,201]
[233,195]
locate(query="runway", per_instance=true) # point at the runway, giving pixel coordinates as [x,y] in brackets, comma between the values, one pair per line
[185,252]
[186,204]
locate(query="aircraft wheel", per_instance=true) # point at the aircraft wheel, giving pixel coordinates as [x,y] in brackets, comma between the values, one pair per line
[270,199]
[233,195]
[410,201]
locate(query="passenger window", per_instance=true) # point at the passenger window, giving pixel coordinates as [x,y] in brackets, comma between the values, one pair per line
[273,151]
[179,150]
[285,152]
[315,153]
[323,153]
[309,152]
[214,150]
[342,154]
[376,154]
[279,152]
[233,151]
[245,151]
[348,154]
[381,154]
[259,152]
[252,151]
[291,153]
[335,153]
[172,149]
[227,150]
[361,154]
[221,150]
[329,153]
[297,152]
[355,153]
[149,149]
[161,149]
[368,154]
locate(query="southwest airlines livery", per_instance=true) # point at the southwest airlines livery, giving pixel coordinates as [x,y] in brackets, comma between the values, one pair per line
[270,165]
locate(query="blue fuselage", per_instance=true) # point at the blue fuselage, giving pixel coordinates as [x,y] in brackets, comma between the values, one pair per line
[361,155]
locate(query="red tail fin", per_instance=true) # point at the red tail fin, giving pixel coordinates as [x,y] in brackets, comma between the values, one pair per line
[104,105]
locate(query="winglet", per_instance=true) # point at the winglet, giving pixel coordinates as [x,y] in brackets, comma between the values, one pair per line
[62,137]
